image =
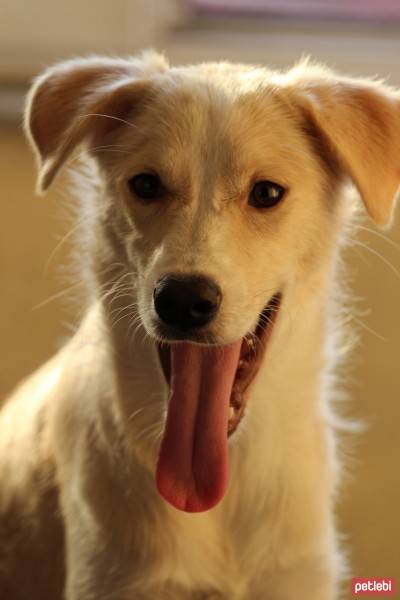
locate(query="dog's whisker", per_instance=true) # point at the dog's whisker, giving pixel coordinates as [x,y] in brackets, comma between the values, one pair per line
[126,314]
[116,285]
[119,294]
[99,149]
[122,313]
[136,320]
[113,117]
[379,255]
[379,235]
[81,156]
[60,244]
[134,326]
[146,431]
[110,146]
[360,322]
[136,413]
[57,295]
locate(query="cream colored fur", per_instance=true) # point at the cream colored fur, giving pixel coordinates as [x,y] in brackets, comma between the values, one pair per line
[79,438]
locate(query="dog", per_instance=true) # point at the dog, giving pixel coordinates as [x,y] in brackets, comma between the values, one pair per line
[183,443]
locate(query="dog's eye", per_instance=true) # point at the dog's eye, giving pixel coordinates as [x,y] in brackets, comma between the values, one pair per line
[146,186]
[266,194]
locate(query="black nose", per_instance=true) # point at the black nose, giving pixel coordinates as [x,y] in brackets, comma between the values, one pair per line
[186,302]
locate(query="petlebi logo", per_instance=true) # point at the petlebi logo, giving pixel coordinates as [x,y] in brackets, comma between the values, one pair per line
[373,586]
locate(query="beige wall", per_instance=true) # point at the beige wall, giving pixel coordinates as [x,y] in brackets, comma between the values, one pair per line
[34,33]
[30,228]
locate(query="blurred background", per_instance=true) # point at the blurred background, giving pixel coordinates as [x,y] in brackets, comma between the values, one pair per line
[359,38]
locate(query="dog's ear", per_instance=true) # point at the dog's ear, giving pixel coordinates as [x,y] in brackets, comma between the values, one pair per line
[82,101]
[359,123]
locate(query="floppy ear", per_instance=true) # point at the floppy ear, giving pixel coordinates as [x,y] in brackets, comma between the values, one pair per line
[81,101]
[359,122]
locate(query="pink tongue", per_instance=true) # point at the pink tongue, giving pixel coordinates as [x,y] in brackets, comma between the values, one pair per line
[192,470]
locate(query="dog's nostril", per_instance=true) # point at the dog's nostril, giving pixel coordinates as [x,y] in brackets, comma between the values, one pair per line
[186,302]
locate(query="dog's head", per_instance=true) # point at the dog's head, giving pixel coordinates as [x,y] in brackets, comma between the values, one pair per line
[222,177]
[219,188]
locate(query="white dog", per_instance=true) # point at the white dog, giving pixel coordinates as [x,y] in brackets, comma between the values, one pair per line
[213,210]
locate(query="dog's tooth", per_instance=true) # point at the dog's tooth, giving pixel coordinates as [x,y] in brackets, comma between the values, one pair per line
[252,344]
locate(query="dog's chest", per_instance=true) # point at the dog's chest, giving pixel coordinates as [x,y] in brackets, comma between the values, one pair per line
[203,555]
[209,552]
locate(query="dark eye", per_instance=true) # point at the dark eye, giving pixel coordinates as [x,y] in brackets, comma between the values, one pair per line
[266,194]
[146,186]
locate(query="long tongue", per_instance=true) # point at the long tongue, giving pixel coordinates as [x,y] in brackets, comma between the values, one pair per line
[192,469]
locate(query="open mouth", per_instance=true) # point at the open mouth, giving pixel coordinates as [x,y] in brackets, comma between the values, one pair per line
[208,396]
[252,351]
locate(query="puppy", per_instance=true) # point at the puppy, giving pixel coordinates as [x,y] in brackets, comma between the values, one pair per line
[182,444]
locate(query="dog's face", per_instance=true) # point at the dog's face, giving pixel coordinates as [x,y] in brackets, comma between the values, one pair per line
[226,201]
[220,179]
